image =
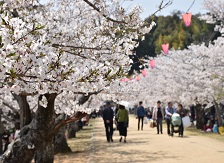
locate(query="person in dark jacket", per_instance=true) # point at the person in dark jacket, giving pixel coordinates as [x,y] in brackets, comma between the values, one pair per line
[192,109]
[140,114]
[182,113]
[108,115]
[5,142]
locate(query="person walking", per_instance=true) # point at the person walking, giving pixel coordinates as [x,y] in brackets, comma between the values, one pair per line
[158,115]
[182,114]
[192,109]
[108,115]
[140,114]
[169,112]
[123,120]
[5,142]
[116,118]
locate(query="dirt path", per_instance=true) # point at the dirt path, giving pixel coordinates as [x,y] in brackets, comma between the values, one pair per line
[146,146]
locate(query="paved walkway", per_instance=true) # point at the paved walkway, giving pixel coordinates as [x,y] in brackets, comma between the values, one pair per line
[146,147]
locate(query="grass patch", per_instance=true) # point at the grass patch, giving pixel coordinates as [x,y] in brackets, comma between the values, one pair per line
[192,131]
[83,139]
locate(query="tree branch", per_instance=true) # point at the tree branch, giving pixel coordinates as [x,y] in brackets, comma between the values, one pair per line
[8,119]
[78,47]
[161,6]
[76,117]
[9,106]
[104,15]
[90,93]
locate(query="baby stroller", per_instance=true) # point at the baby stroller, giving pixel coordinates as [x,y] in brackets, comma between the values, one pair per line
[175,124]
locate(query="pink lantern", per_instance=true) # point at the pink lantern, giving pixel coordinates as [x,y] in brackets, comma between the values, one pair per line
[152,63]
[144,73]
[124,80]
[131,79]
[165,48]
[137,78]
[187,19]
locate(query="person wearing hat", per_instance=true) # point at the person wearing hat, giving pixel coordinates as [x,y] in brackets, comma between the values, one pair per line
[108,115]
[158,115]
[5,142]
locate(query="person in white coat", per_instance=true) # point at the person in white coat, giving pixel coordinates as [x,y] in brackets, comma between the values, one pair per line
[158,115]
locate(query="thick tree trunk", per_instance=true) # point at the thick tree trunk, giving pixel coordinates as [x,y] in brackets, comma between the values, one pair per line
[218,113]
[61,145]
[72,129]
[1,132]
[33,135]
[199,116]
[60,142]
[25,113]
[46,153]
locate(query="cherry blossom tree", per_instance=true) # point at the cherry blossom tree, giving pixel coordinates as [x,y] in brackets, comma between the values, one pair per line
[64,45]
[193,75]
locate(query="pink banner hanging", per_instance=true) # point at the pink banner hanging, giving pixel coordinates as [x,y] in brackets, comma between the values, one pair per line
[165,48]
[137,78]
[124,80]
[144,73]
[187,19]
[152,63]
[131,79]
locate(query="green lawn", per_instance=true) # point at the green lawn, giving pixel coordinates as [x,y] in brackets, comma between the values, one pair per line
[83,138]
[192,131]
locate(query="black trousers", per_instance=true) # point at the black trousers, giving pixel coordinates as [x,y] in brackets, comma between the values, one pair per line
[181,129]
[140,119]
[168,122]
[159,125]
[122,129]
[109,130]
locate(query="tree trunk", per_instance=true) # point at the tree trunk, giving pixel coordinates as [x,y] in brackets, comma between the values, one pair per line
[199,116]
[46,153]
[33,135]
[72,129]
[218,113]
[25,113]
[1,131]
[60,142]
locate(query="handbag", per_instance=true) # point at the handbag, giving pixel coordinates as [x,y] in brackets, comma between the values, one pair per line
[145,120]
[152,124]
[186,121]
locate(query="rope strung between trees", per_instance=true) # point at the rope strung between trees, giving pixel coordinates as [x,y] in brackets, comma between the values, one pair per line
[191,6]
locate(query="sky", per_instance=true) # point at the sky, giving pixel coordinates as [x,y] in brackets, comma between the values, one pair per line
[150,6]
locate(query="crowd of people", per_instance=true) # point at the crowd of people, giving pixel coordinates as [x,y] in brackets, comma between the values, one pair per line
[122,119]
[172,116]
